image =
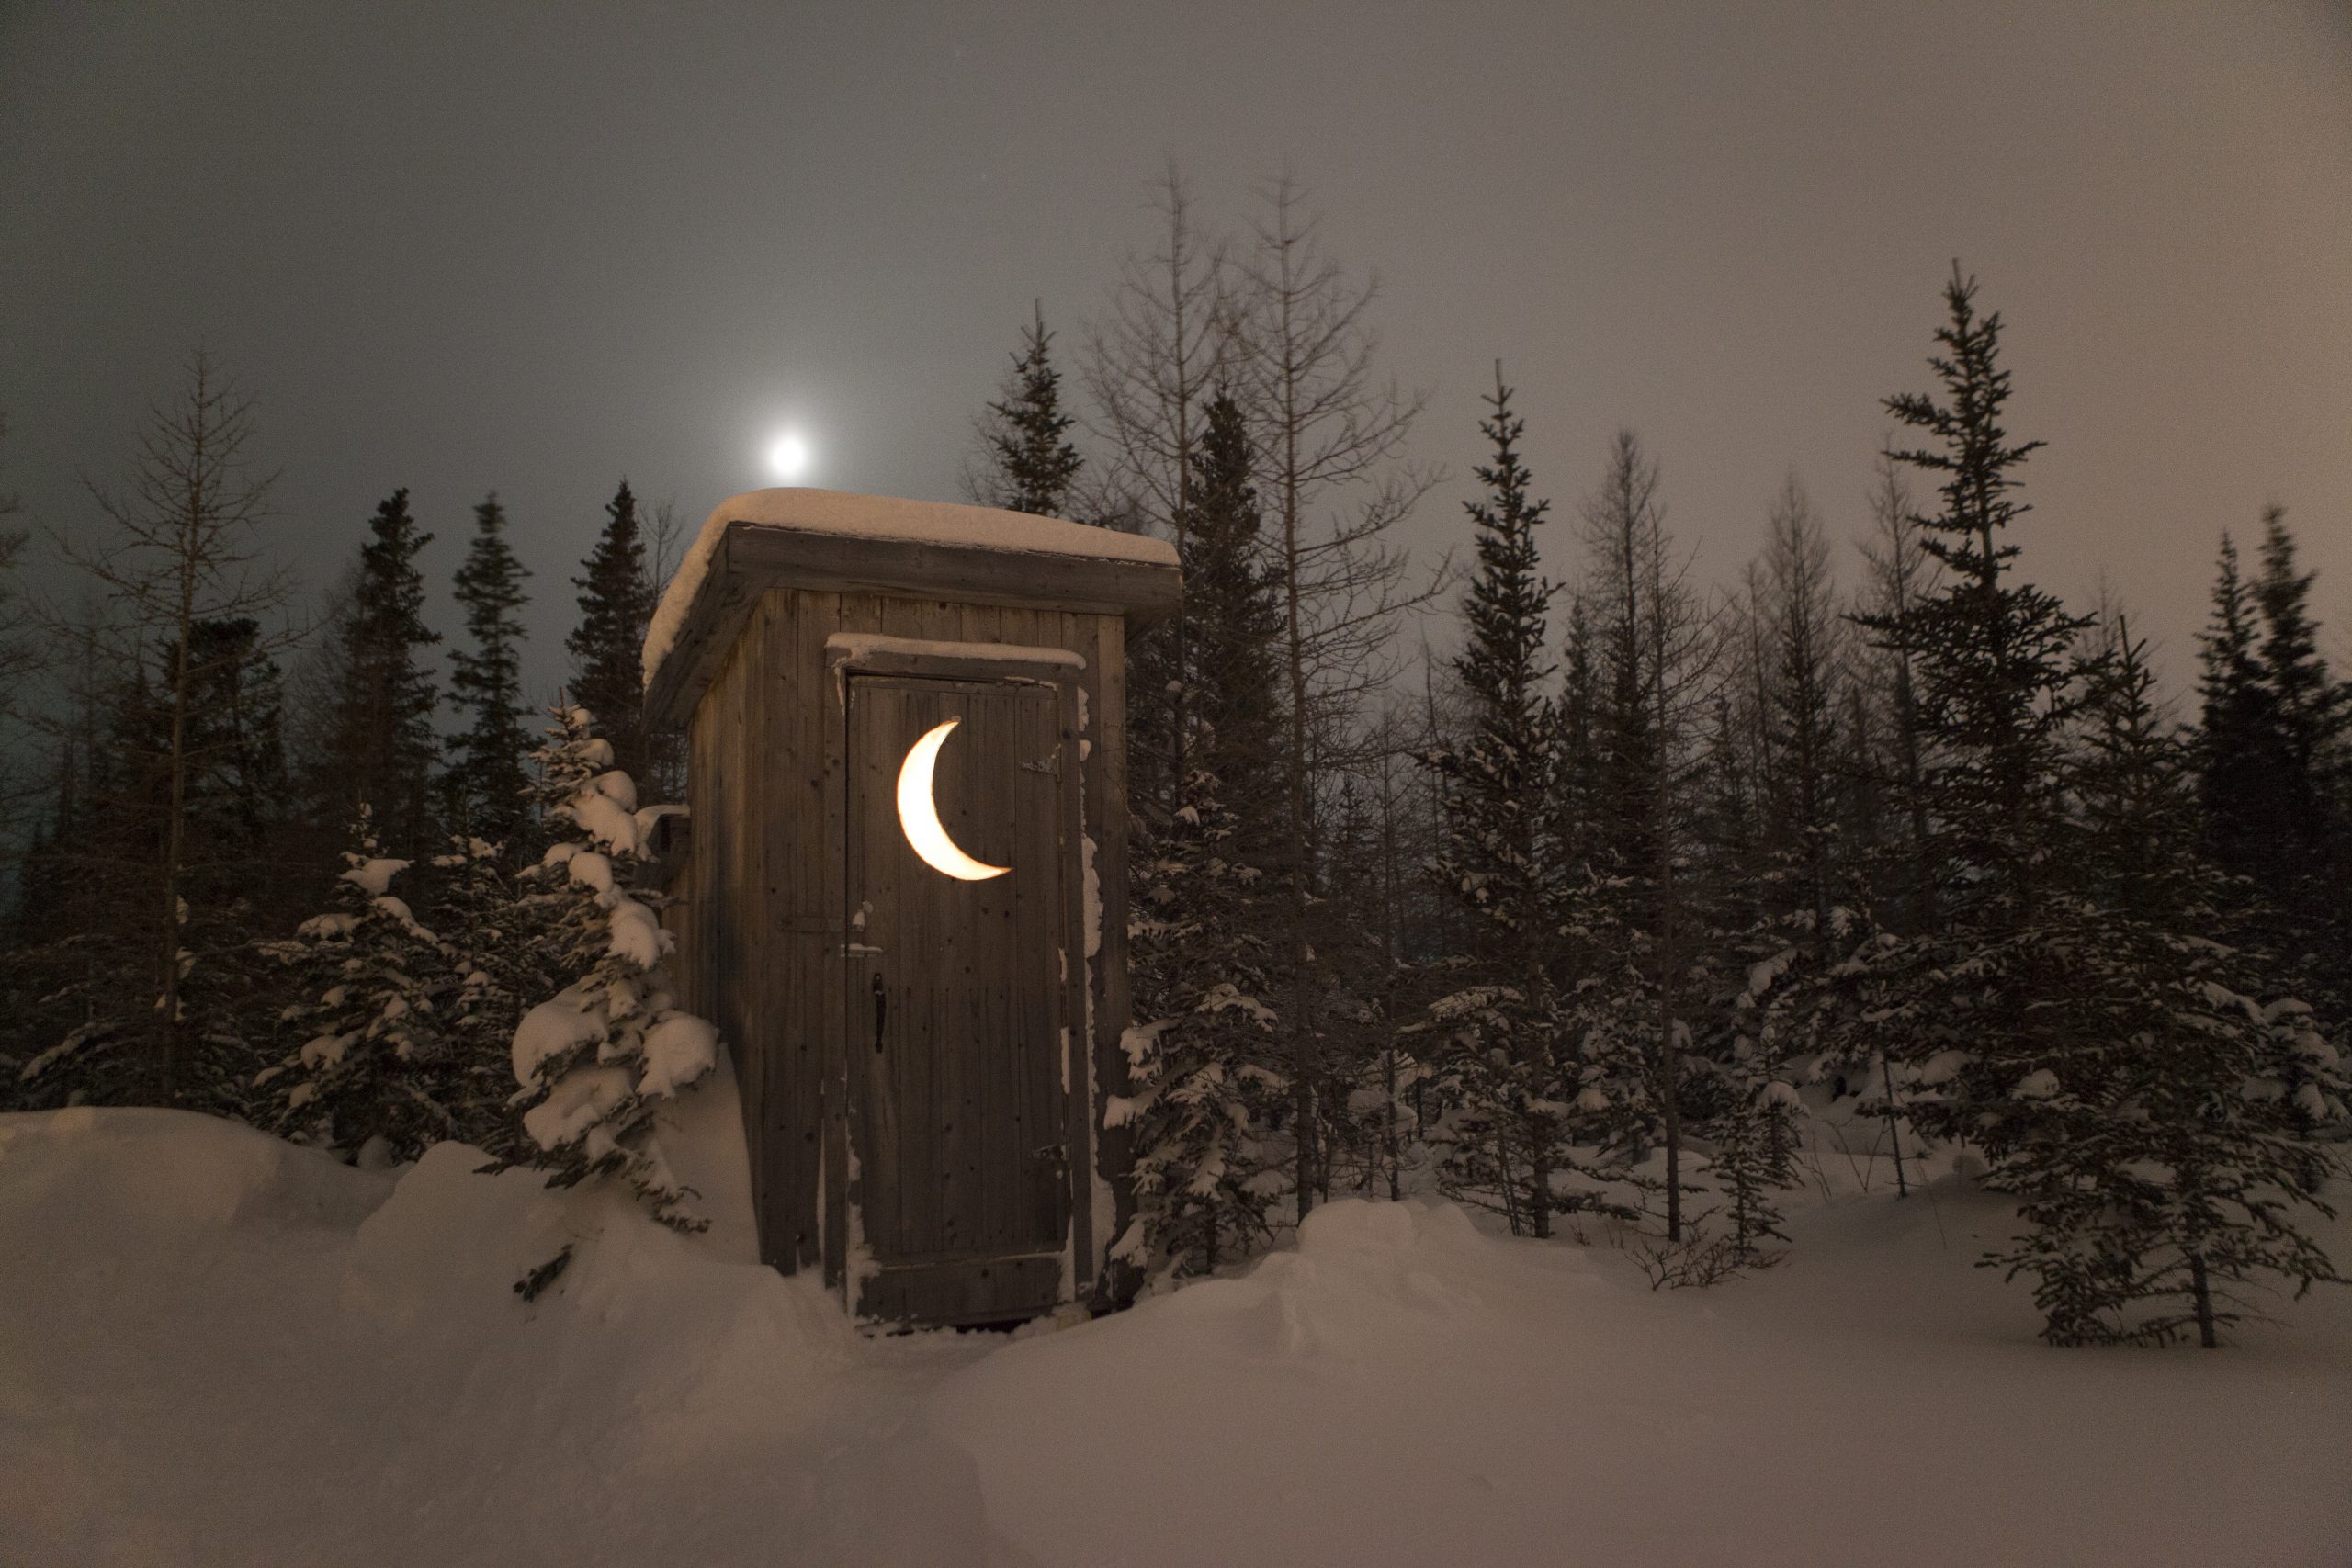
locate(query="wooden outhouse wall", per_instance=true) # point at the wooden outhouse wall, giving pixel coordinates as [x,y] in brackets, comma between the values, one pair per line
[760,938]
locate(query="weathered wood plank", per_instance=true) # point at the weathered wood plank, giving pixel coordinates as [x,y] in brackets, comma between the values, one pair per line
[874,1033]
[1082,1106]
[775,760]
[796,824]
[750,561]
[1113,1002]
[826,729]
[1038,1205]
[766,847]
[845,977]
[994,1290]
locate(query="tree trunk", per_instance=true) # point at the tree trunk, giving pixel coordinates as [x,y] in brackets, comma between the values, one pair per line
[2201,1289]
[1539,1181]
[1893,1126]
[1303,1056]
[1391,1148]
[1669,1053]
[176,828]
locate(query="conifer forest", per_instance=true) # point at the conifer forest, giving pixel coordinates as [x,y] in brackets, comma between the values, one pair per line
[1618,989]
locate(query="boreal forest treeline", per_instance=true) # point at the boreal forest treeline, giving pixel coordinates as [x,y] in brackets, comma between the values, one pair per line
[1580,922]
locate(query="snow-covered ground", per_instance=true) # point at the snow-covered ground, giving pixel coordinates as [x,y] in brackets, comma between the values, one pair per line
[218,1349]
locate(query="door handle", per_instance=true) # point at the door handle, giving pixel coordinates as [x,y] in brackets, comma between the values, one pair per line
[881,1011]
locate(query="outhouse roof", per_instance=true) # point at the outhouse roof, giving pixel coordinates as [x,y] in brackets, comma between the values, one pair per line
[831,540]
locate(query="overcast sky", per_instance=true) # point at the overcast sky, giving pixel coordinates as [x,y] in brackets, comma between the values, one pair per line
[537,247]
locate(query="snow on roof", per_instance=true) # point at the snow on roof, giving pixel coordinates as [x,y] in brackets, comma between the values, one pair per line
[884,517]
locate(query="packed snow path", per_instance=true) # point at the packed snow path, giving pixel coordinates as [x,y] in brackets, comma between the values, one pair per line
[215,1347]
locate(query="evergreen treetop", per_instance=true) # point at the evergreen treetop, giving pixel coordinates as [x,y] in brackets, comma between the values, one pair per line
[607,645]
[2310,710]
[1027,461]
[2272,761]
[2237,728]
[1501,774]
[383,747]
[1231,620]
[1992,653]
[1026,433]
[1503,668]
[488,680]
[2131,779]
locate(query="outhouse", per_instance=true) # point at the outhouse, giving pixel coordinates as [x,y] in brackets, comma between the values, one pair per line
[902,896]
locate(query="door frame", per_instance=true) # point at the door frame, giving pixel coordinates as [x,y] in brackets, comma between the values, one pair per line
[1061,671]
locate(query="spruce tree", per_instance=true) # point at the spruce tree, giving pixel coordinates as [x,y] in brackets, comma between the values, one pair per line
[2167,1122]
[2310,712]
[2238,733]
[1499,857]
[1801,716]
[1754,1128]
[487,779]
[1997,688]
[1991,652]
[374,1070]
[381,747]
[111,813]
[1231,621]
[493,929]
[1028,461]
[1202,1057]
[1960,1003]
[1203,1097]
[607,645]
[594,1060]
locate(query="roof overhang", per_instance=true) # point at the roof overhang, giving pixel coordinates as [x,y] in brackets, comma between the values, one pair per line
[828,540]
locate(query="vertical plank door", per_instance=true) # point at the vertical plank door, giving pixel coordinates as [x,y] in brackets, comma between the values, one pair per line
[956,1003]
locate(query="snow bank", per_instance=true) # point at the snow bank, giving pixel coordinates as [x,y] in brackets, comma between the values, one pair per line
[883,517]
[215,1347]
[1405,1388]
[243,1352]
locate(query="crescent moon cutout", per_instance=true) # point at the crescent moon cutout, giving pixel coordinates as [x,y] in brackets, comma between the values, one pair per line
[919,813]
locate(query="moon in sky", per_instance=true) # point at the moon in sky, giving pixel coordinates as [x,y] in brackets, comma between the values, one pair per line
[788,456]
[919,813]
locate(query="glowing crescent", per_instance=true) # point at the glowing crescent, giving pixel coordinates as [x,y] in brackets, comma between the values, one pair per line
[919,813]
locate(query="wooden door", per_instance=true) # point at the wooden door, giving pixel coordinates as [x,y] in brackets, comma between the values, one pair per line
[957,1001]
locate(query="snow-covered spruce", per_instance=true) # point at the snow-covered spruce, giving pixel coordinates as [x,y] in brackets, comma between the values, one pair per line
[594,1059]
[2111,1055]
[489,928]
[1206,1170]
[375,1072]
[2160,1143]
[1754,1127]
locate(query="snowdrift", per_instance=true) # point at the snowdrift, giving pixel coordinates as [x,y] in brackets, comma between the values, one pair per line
[224,1349]
[217,1347]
